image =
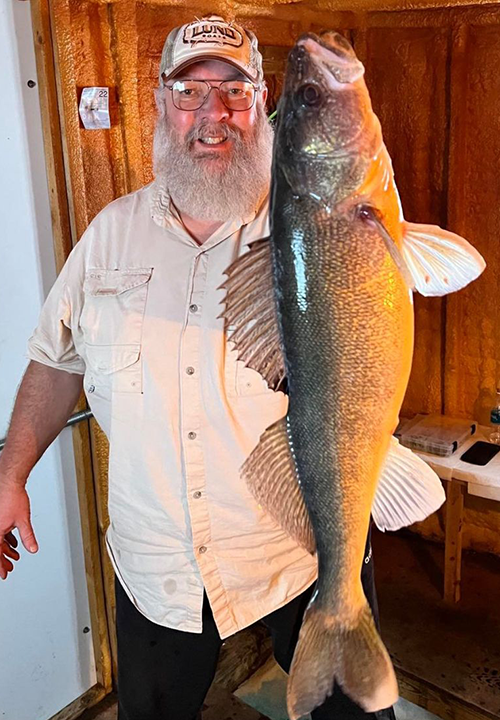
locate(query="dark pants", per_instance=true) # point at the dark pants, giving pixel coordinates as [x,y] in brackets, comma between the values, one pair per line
[165,674]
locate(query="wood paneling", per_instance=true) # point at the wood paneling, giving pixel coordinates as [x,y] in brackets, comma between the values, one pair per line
[230,7]
[473,315]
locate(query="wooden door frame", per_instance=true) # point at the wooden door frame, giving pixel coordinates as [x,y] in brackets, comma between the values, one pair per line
[46,64]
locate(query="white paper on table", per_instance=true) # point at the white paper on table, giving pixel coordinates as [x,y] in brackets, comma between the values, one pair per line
[94,108]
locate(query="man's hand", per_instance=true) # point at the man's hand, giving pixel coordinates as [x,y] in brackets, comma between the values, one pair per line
[44,402]
[14,513]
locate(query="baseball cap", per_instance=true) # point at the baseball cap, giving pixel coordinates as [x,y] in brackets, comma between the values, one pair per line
[211,38]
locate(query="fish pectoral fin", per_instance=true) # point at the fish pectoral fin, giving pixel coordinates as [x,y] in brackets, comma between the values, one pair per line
[251,316]
[440,262]
[408,490]
[370,214]
[271,476]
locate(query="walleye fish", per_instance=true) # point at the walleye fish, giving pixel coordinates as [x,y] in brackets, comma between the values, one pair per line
[326,302]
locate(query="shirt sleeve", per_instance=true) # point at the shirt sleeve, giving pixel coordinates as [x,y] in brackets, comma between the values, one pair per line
[52,342]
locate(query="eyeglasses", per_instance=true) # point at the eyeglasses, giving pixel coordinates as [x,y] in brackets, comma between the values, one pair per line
[236,95]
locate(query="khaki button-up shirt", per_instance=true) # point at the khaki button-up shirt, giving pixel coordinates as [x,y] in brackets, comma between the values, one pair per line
[136,309]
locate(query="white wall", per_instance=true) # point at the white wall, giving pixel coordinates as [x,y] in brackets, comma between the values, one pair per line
[46,660]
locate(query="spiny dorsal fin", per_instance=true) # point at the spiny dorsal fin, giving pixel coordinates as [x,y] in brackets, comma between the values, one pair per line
[250,313]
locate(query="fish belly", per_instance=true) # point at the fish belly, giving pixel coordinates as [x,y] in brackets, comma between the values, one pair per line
[347,328]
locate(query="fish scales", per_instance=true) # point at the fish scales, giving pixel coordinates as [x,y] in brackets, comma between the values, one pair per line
[346,318]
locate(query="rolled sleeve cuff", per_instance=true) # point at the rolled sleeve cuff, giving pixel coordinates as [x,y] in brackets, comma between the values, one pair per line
[40,352]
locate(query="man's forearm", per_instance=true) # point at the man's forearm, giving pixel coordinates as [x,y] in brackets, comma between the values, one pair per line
[44,403]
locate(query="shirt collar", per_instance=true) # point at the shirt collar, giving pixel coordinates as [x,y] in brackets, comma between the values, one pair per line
[165,214]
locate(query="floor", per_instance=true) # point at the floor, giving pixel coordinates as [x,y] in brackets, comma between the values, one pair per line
[266,692]
[454,647]
[260,698]
[220,704]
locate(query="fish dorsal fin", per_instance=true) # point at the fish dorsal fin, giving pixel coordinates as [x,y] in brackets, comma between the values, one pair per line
[271,477]
[439,261]
[408,490]
[250,313]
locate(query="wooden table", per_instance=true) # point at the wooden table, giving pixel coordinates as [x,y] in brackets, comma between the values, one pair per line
[459,479]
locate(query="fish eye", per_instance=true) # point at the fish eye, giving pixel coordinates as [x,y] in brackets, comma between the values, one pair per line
[309,95]
[364,212]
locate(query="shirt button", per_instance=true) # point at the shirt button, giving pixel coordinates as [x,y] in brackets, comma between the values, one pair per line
[190,370]
[91,388]
[193,308]
[192,436]
[197,496]
[203,549]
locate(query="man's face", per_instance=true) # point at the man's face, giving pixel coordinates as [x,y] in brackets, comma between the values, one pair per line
[213,113]
[217,181]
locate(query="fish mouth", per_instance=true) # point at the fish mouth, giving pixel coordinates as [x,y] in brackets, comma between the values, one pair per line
[333,42]
[334,54]
[332,57]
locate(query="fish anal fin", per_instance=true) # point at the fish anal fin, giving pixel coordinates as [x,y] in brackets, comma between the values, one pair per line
[408,490]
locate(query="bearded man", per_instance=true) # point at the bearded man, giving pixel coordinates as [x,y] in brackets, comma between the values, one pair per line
[134,318]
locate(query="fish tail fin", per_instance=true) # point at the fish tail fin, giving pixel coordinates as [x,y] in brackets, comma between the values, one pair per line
[354,657]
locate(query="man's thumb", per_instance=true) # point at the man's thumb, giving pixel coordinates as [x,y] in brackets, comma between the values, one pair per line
[28,537]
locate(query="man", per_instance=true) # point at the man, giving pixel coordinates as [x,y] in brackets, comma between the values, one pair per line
[134,318]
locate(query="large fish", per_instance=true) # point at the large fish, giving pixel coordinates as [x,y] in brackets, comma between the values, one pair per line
[327,303]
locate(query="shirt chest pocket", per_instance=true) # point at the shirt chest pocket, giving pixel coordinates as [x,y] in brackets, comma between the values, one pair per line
[112,322]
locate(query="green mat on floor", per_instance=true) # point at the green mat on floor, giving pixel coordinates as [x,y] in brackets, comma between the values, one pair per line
[266,692]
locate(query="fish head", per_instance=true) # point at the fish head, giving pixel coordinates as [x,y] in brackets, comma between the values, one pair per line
[326,131]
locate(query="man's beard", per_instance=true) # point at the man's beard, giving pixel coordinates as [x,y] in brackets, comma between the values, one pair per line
[208,187]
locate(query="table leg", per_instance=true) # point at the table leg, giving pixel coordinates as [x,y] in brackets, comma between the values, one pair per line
[455,495]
